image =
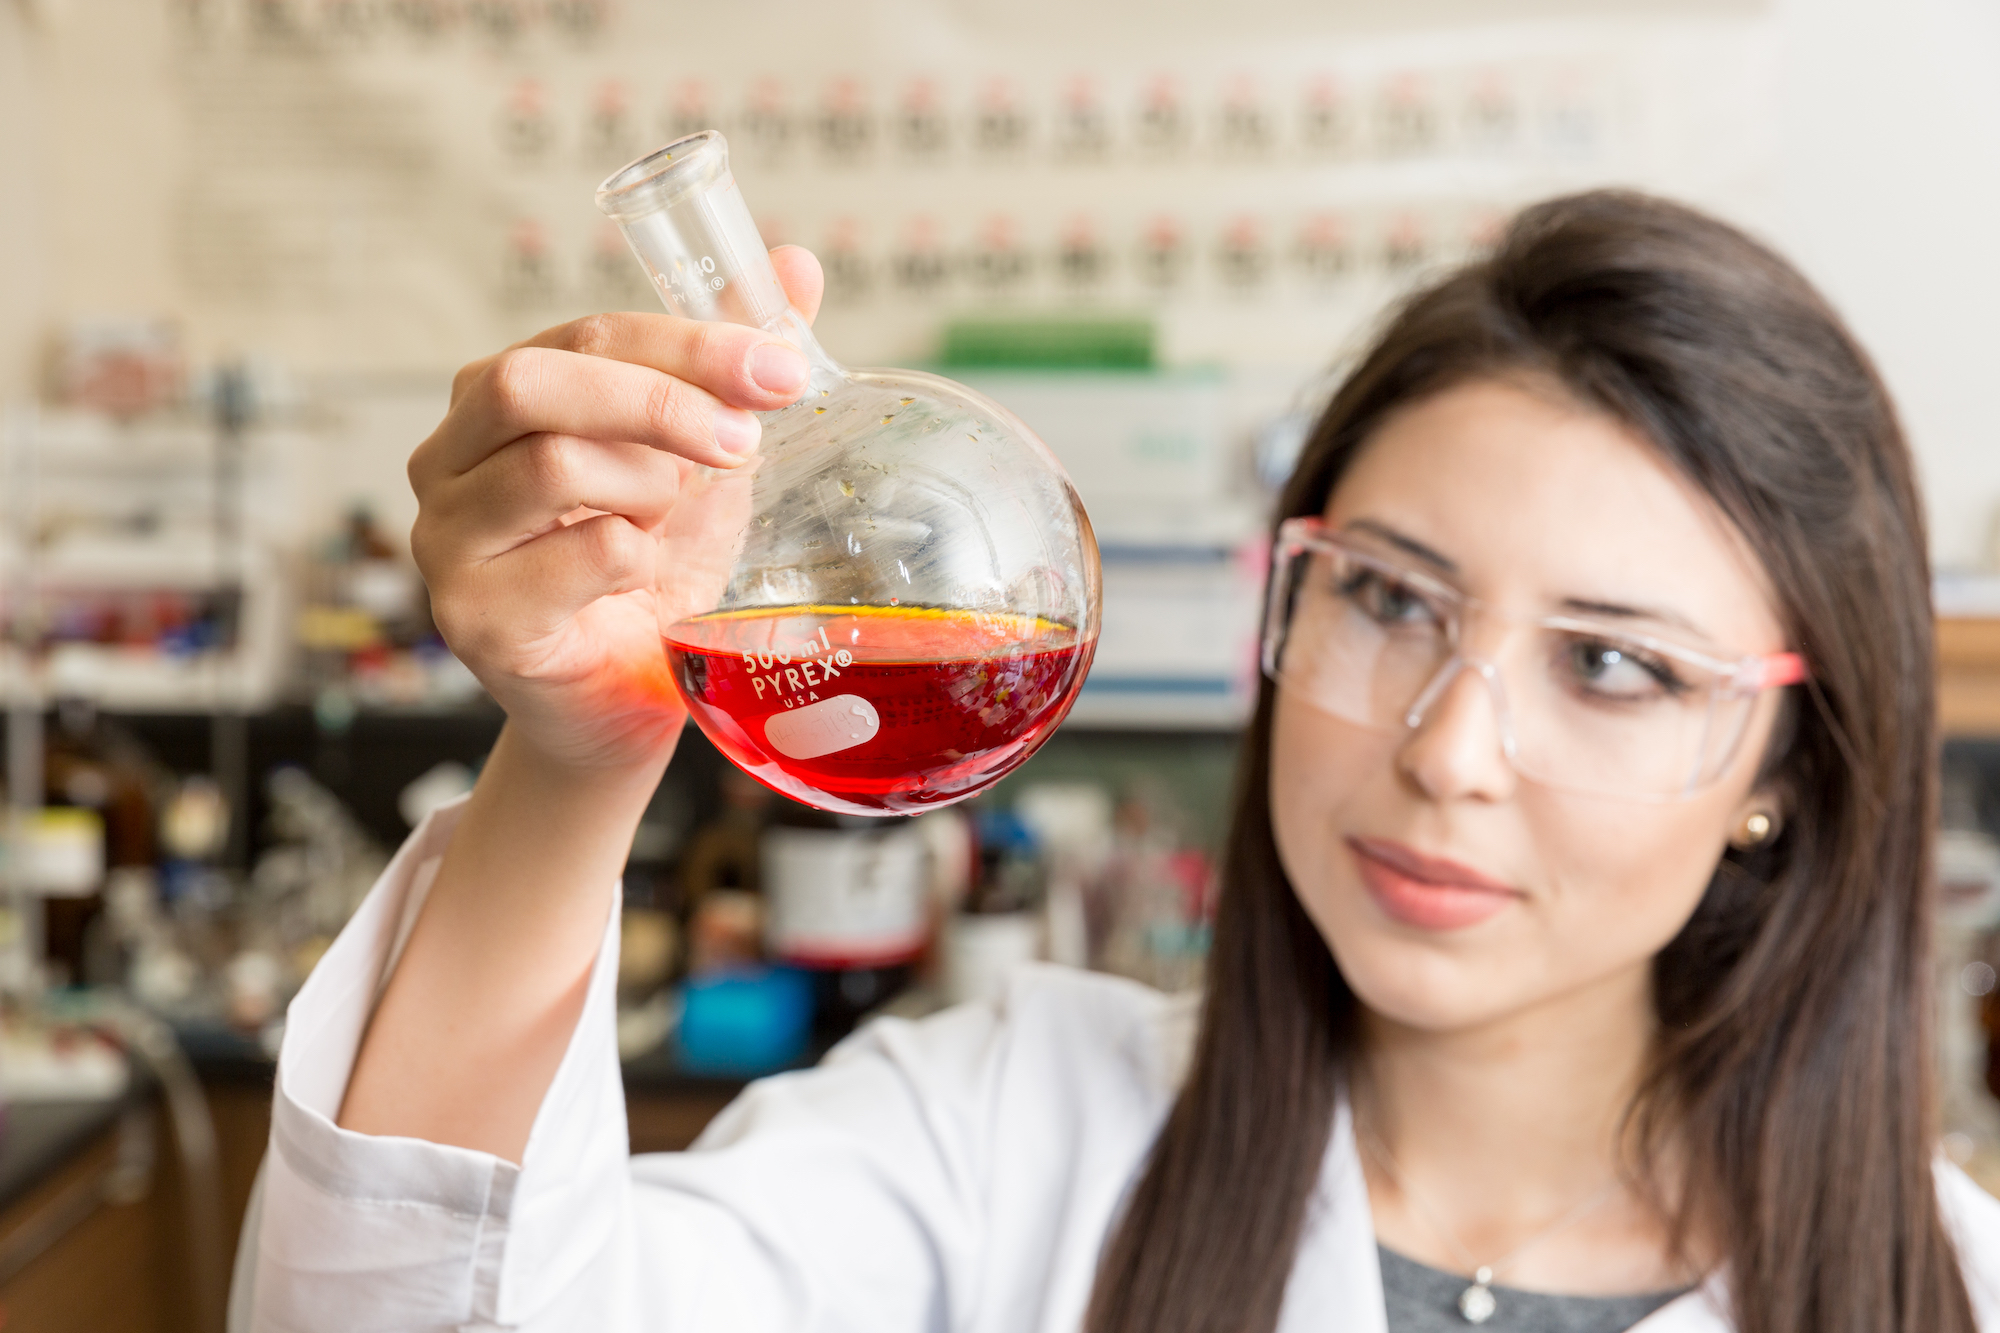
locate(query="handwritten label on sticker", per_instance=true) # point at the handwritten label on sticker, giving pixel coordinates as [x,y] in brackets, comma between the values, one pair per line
[827,727]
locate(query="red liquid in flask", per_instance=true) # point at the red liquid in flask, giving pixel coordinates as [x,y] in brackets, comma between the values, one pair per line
[876,709]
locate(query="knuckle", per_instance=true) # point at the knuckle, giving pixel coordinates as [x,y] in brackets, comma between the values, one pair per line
[428,547]
[426,466]
[466,375]
[420,539]
[513,381]
[715,352]
[608,549]
[466,636]
[596,335]
[454,625]
[668,405]
[552,464]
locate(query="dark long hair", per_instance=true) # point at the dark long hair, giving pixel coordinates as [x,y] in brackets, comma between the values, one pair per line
[1792,1071]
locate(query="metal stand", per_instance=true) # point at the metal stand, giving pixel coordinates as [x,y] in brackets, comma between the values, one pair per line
[21,956]
[229,727]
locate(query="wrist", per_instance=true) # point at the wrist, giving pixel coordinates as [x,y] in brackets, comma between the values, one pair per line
[522,760]
[537,819]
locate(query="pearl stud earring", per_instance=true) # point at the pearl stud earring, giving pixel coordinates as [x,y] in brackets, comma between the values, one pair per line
[1756,829]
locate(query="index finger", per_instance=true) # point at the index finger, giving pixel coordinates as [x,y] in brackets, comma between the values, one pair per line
[741,366]
[547,391]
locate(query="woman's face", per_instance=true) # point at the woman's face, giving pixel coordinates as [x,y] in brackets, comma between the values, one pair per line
[1536,504]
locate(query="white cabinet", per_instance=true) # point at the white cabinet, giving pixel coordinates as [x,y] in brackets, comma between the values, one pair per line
[120,579]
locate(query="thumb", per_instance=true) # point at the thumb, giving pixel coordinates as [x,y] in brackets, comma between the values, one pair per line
[804,281]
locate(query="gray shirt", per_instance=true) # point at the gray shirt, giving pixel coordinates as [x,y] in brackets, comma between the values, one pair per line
[1422,1299]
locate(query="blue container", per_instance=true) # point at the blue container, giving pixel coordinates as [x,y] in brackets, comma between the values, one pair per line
[744,1023]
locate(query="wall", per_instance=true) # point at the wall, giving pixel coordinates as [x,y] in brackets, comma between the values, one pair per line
[24,195]
[124,174]
[1890,198]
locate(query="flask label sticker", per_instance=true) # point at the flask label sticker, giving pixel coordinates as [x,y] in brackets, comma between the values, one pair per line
[827,727]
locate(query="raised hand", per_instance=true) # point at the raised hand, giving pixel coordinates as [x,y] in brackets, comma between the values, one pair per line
[544,490]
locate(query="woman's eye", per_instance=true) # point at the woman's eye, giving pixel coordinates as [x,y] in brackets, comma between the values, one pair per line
[1617,671]
[1386,601]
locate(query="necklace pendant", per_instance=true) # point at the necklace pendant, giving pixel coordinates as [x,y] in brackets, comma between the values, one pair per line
[1476,1302]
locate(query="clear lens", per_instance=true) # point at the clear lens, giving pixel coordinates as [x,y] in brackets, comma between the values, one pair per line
[1601,712]
[1360,640]
[1585,709]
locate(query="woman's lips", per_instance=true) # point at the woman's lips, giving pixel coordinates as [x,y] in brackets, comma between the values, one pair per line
[1424,891]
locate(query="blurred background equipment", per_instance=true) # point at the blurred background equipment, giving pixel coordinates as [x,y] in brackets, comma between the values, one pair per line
[1157,232]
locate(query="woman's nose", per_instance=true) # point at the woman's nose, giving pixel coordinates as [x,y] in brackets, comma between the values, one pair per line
[1456,747]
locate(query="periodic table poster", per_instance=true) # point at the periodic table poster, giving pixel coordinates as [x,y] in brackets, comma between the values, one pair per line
[367,186]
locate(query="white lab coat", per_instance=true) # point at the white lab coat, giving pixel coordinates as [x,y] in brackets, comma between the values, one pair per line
[955,1173]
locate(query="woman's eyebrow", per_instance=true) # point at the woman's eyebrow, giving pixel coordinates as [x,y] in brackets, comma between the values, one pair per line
[1582,606]
[1402,542]
[1619,611]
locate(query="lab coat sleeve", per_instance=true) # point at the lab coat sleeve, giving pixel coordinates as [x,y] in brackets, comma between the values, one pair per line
[362,1232]
[841,1197]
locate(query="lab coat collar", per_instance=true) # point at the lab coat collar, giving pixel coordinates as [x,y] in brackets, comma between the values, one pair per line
[1337,1281]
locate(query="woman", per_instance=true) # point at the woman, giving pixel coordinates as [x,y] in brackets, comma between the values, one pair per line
[1571,968]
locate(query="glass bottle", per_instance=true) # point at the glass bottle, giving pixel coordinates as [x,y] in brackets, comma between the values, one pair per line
[897,600]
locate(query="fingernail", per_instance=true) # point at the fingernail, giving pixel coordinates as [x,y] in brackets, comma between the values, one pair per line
[778,368]
[736,430]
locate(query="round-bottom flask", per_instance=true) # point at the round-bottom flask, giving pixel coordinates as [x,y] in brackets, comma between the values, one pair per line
[897,601]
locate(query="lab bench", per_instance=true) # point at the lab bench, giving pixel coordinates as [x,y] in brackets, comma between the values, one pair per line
[94,1223]
[1969,677]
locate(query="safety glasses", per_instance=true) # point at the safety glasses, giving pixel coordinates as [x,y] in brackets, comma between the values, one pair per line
[1581,706]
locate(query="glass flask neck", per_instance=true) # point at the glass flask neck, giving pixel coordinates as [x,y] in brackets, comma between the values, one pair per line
[826,374]
[684,217]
